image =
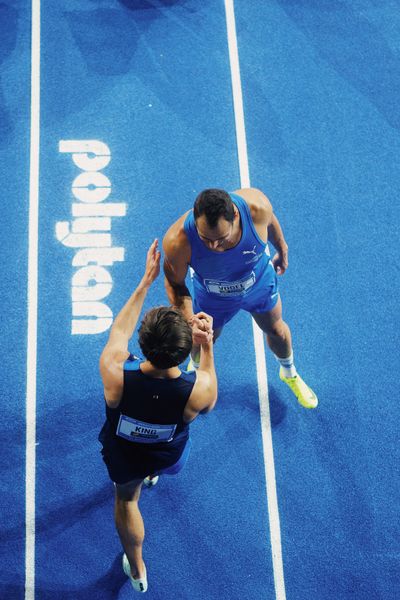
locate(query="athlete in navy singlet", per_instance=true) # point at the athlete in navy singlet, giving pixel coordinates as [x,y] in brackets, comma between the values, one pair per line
[224,239]
[146,433]
[149,405]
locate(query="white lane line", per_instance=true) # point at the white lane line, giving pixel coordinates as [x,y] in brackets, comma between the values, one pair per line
[237,95]
[273,511]
[30,474]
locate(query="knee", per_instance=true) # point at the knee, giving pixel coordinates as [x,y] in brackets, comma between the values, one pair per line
[279,329]
[124,506]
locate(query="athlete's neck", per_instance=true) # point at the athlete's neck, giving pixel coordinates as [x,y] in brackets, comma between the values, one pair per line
[149,369]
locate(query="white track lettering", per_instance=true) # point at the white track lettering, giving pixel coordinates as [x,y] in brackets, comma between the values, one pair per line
[89,232]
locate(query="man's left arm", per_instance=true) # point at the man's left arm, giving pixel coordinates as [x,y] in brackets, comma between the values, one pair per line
[277,239]
[275,235]
[116,350]
[263,216]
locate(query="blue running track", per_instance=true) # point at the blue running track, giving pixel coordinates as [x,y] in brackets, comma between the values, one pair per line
[149,82]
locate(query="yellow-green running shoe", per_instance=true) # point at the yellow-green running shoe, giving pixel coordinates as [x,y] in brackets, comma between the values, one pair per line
[300,389]
[191,366]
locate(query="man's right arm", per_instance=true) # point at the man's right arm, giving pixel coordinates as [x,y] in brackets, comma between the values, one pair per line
[176,263]
[207,371]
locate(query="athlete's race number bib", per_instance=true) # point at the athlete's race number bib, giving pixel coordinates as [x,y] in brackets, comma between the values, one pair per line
[144,433]
[230,288]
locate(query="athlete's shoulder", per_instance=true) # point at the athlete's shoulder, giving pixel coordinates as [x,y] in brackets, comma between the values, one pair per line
[112,362]
[175,240]
[259,204]
[176,245]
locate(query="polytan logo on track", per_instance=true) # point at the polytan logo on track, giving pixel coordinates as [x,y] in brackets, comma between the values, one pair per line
[88,233]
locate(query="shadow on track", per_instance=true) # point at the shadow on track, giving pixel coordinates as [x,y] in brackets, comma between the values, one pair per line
[354,47]
[108,37]
[106,587]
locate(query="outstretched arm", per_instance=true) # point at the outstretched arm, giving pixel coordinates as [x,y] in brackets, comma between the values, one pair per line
[116,350]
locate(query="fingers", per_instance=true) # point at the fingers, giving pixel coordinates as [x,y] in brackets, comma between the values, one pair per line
[153,258]
[201,338]
[280,263]
[279,267]
[203,315]
[201,324]
[152,251]
[204,318]
[198,324]
[153,246]
[153,254]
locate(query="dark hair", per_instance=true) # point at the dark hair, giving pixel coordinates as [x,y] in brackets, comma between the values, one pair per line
[214,204]
[165,337]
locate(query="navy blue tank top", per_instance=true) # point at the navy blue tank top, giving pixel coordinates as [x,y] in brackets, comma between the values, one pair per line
[231,272]
[150,413]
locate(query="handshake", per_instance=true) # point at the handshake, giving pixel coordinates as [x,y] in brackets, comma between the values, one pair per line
[202,328]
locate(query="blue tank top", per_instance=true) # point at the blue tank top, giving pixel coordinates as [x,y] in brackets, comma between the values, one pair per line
[150,412]
[233,272]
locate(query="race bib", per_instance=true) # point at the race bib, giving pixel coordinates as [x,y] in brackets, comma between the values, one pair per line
[144,433]
[229,288]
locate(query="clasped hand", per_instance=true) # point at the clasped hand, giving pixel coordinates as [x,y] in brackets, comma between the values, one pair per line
[202,330]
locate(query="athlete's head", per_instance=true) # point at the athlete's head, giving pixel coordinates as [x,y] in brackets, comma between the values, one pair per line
[215,216]
[165,337]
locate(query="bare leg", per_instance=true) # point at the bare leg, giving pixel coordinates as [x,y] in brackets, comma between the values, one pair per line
[129,523]
[280,341]
[276,330]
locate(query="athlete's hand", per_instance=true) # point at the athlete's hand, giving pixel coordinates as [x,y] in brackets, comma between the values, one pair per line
[280,262]
[152,264]
[202,330]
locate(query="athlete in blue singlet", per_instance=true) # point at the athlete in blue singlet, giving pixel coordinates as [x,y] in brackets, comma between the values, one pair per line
[224,239]
[149,406]
[240,277]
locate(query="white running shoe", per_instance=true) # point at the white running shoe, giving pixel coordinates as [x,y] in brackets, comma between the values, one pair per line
[150,481]
[139,585]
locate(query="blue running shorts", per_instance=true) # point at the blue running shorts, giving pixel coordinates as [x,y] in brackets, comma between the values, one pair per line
[261,297]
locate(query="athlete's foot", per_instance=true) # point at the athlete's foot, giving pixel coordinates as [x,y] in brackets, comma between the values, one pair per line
[192,365]
[304,394]
[151,480]
[139,581]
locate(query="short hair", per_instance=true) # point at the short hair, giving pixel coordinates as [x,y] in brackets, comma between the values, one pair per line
[165,337]
[214,204]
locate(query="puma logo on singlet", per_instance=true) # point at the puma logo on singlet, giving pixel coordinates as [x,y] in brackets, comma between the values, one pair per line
[250,251]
